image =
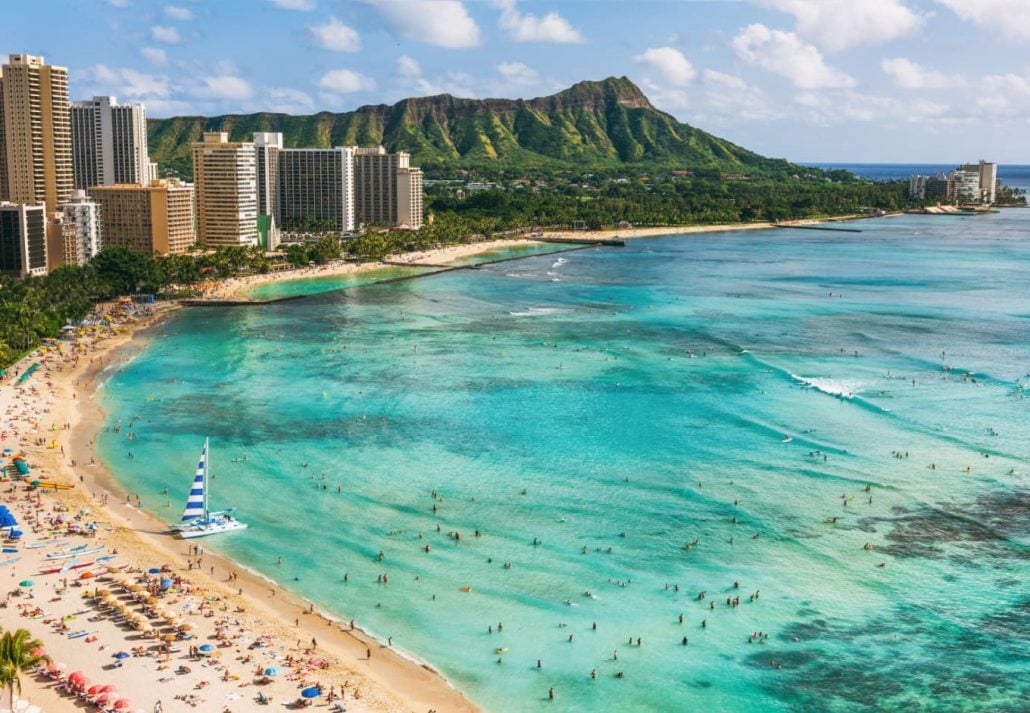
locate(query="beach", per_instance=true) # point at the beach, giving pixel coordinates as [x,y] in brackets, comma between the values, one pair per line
[250,622]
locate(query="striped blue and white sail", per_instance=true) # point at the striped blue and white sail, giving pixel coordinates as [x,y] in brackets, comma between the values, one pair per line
[195,502]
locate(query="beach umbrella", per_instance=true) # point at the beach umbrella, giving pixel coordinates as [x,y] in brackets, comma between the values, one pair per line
[103,698]
[187,627]
[37,652]
[77,677]
[154,570]
[94,689]
[273,671]
[206,648]
[86,575]
[26,583]
[121,655]
[15,534]
[121,704]
[166,584]
[311,692]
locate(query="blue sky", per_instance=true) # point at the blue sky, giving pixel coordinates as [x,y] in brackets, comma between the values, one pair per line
[810,80]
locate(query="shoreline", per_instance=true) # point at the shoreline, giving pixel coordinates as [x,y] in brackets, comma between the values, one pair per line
[239,288]
[391,680]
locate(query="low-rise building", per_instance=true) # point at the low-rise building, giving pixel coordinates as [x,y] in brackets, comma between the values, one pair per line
[157,218]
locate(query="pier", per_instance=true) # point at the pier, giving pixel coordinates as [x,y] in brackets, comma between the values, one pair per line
[818,227]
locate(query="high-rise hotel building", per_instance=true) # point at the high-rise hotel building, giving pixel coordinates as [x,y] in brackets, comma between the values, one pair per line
[36,165]
[23,239]
[109,143]
[305,190]
[388,190]
[225,177]
[83,214]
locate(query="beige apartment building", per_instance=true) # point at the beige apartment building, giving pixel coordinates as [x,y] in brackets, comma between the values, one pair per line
[36,131]
[387,189]
[147,219]
[225,176]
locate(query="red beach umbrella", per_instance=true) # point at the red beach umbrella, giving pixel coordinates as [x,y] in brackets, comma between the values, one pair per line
[108,688]
[76,676]
[121,704]
[103,698]
[86,575]
[94,689]
[37,652]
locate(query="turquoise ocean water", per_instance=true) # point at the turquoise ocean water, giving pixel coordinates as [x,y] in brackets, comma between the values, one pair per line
[593,413]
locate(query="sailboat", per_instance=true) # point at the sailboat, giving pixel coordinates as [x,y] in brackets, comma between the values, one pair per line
[197,520]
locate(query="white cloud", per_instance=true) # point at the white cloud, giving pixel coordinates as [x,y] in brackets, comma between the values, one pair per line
[412,80]
[302,5]
[224,86]
[118,3]
[285,100]
[441,23]
[730,95]
[178,13]
[518,73]
[101,79]
[336,36]
[155,55]
[168,35]
[833,107]
[1004,94]
[524,27]
[910,75]
[345,81]
[838,24]
[1011,18]
[785,54]
[670,63]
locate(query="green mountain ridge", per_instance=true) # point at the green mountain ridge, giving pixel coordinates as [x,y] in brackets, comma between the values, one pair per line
[603,123]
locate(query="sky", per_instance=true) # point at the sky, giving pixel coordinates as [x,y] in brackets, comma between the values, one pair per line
[935,81]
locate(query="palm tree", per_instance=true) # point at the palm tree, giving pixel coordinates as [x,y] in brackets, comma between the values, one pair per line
[16,658]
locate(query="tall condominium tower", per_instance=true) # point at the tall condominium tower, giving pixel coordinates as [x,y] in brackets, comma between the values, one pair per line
[387,189]
[147,219]
[109,143]
[23,239]
[225,177]
[36,131]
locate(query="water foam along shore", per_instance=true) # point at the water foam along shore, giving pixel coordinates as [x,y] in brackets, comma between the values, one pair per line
[53,418]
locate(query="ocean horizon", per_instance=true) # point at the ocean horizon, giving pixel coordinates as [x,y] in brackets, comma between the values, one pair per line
[762,470]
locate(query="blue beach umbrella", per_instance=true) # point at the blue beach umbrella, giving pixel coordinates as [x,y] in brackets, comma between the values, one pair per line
[121,655]
[166,584]
[15,534]
[153,570]
[273,671]
[206,648]
[311,692]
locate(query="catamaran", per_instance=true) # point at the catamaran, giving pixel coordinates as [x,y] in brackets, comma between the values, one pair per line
[197,520]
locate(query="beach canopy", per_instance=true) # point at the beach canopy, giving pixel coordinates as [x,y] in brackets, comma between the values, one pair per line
[311,692]
[273,671]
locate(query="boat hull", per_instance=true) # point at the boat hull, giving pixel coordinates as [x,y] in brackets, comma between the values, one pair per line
[210,529]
